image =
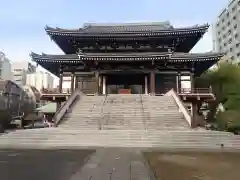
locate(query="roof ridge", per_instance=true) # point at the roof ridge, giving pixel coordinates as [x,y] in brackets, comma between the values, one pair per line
[156,23]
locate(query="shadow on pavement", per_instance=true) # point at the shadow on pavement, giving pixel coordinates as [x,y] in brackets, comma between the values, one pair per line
[41,164]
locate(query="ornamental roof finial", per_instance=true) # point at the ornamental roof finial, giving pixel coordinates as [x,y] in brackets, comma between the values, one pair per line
[169,52]
[79,53]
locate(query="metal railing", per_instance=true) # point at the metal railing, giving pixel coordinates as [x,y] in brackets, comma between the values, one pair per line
[64,108]
[54,91]
[102,115]
[185,91]
[195,91]
[143,112]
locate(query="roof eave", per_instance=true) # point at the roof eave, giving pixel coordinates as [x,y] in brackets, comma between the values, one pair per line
[81,32]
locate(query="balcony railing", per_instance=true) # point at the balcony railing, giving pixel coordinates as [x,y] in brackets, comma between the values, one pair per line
[54,91]
[186,90]
[195,91]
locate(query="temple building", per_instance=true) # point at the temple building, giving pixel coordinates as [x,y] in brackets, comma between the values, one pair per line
[134,58]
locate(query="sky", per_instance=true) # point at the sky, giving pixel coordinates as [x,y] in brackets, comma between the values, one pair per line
[23,21]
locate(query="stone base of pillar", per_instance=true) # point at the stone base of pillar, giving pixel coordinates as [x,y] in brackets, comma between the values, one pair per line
[197,119]
[58,105]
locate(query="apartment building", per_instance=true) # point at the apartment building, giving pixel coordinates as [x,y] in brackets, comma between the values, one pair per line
[226,32]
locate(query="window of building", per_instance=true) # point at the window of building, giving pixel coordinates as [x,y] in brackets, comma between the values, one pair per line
[224,36]
[229,31]
[229,23]
[230,41]
[234,8]
[227,14]
[230,49]
[237,45]
[236,36]
[224,44]
[235,26]
[223,20]
[232,57]
[223,28]
[219,32]
[234,17]
[238,54]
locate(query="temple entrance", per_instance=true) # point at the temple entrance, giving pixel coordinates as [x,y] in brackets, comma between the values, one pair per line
[125,83]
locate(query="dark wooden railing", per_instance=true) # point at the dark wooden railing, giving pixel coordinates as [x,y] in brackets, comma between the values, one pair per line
[195,91]
[64,108]
[186,91]
[54,91]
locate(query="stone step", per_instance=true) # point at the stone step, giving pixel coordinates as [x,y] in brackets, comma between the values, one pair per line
[59,137]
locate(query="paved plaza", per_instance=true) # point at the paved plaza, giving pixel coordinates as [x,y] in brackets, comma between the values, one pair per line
[101,164]
[41,164]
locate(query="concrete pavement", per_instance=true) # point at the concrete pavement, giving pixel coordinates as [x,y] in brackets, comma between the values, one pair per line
[41,164]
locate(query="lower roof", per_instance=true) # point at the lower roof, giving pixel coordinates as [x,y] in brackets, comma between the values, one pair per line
[139,56]
[199,61]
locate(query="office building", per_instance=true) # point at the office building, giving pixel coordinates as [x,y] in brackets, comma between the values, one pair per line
[226,32]
[40,80]
[5,67]
[20,71]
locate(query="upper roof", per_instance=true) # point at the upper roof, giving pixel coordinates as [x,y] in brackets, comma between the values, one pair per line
[94,37]
[154,28]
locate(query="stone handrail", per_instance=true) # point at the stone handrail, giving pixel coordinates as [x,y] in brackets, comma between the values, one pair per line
[181,106]
[64,108]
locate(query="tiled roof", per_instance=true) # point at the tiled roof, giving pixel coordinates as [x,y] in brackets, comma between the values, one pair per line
[127,27]
[137,28]
[140,56]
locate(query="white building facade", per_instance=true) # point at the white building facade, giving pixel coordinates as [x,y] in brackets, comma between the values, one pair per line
[5,68]
[226,32]
[40,80]
[20,71]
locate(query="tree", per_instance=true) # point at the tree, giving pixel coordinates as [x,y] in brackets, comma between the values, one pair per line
[225,83]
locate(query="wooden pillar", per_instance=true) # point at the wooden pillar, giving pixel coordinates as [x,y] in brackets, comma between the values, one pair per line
[152,82]
[192,82]
[104,85]
[197,118]
[146,84]
[100,84]
[177,83]
[97,82]
[76,82]
[60,82]
[72,82]
[192,78]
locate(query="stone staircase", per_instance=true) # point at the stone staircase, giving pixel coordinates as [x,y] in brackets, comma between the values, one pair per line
[139,121]
[162,112]
[162,140]
[142,112]
[125,112]
[121,112]
[85,114]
